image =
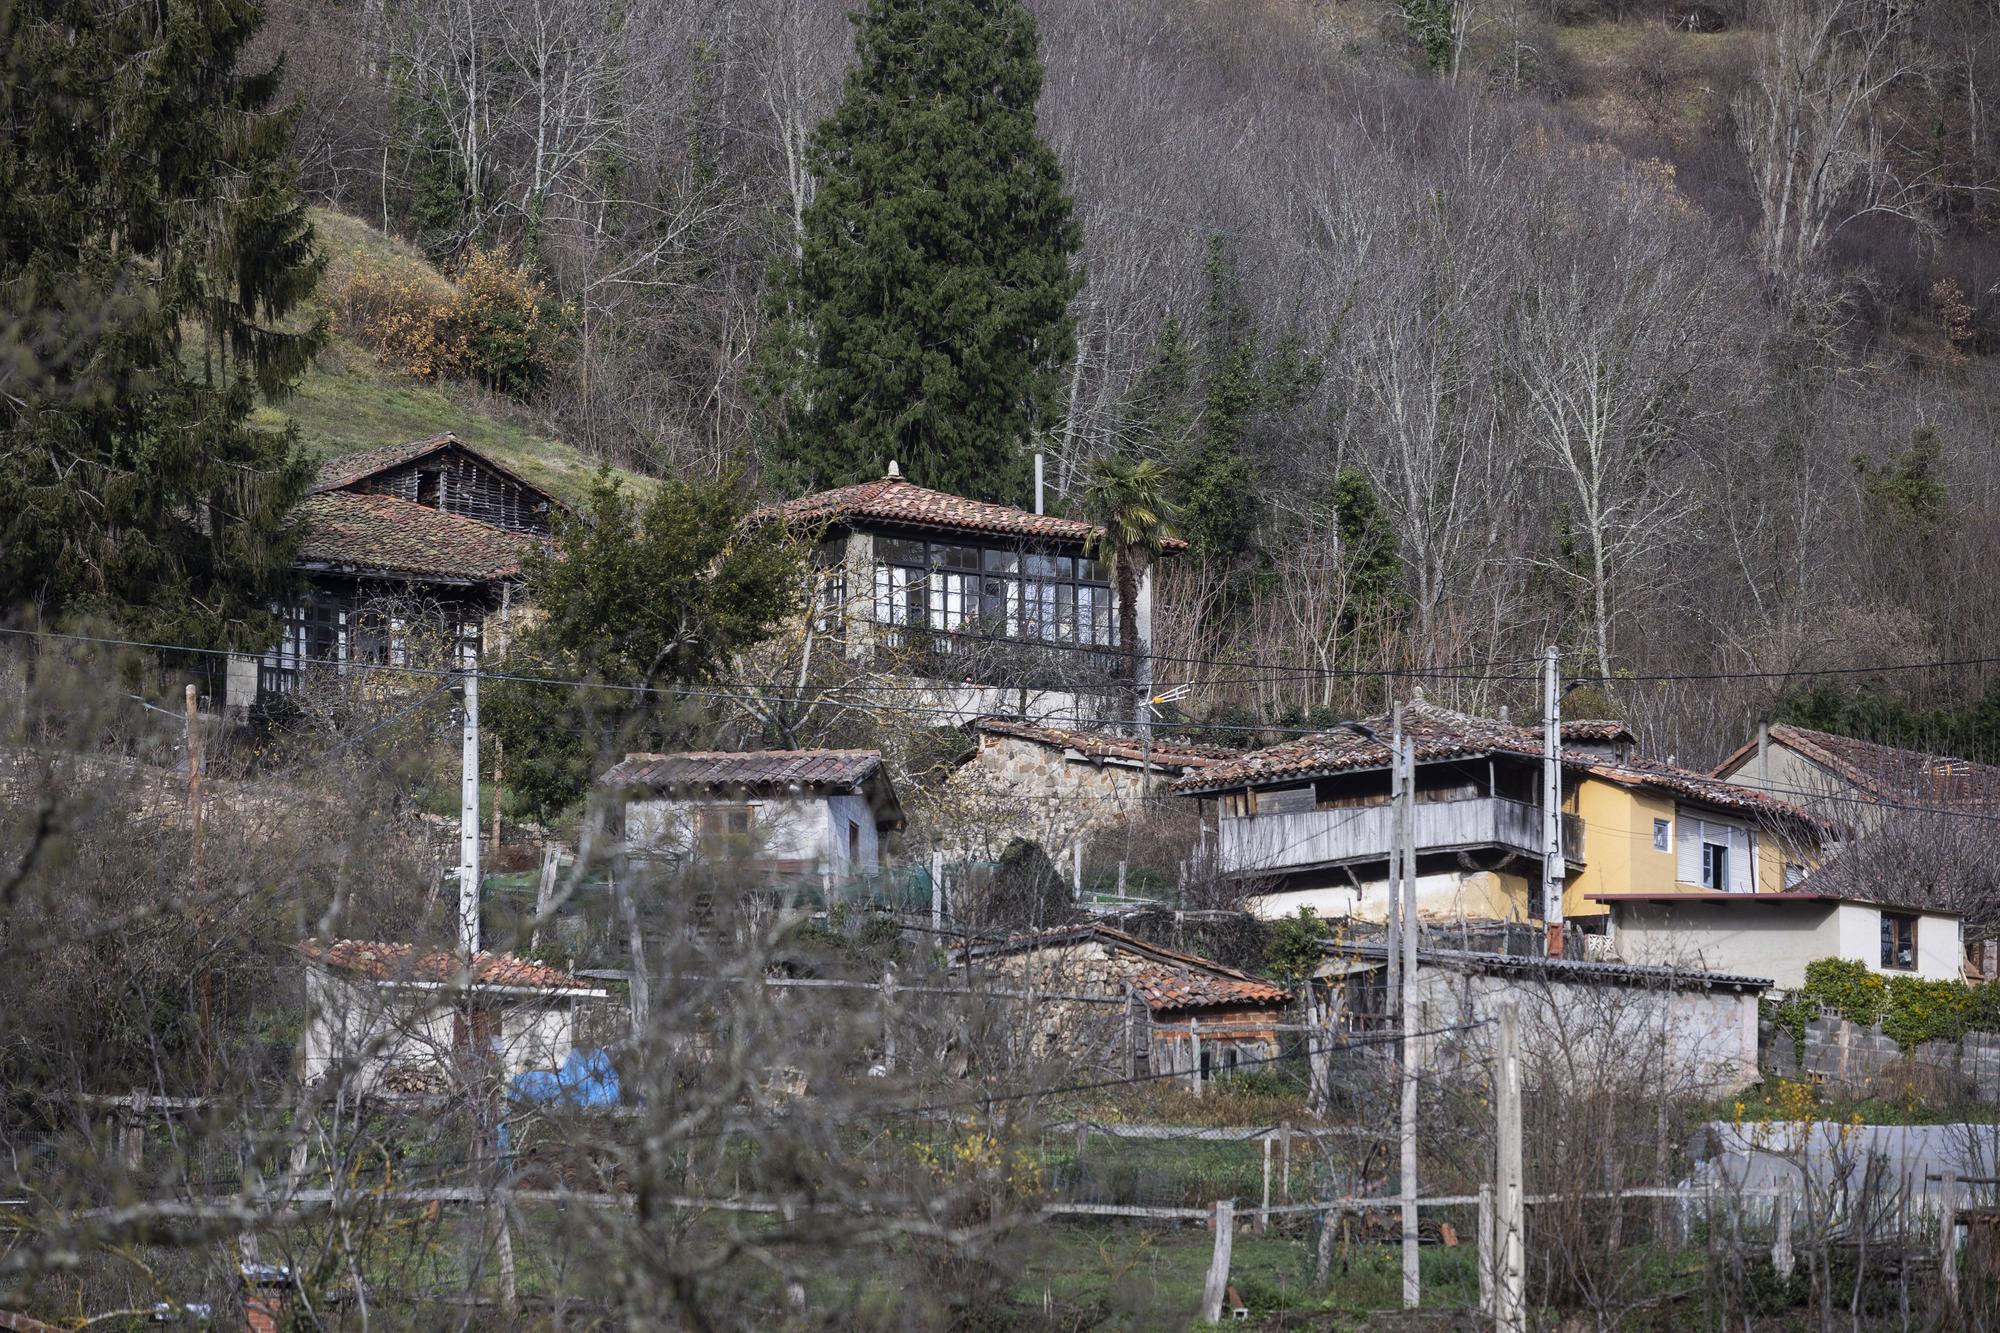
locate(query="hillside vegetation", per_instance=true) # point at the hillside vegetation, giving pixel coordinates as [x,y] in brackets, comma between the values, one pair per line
[1456,329]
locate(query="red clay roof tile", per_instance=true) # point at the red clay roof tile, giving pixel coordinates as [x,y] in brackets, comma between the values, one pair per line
[382,534]
[892,500]
[410,962]
[746,768]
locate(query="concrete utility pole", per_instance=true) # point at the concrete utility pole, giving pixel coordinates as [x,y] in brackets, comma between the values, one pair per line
[1406,759]
[194,778]
[468,817]
[1510,1290]
[1552,850]
[1392,995]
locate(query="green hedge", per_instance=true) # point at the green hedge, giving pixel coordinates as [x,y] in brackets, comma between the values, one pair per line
[1909,1009]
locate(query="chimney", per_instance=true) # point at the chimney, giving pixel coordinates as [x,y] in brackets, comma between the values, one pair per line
[1038,483]
[1555,939]
[894,473]
[1764,755]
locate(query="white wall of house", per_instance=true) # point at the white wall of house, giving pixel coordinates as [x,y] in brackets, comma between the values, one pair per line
[850,819]
[1471,895]
[784,828]
[1940,942]
[397,1026]
[1773,940]
[1690,1039]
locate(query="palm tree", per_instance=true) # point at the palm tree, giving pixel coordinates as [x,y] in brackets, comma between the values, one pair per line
[1126,500]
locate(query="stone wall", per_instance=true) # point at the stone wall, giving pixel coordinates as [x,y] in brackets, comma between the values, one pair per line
[1864,1061]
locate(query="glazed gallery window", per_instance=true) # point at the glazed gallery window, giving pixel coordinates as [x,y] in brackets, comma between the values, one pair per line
[1005,591]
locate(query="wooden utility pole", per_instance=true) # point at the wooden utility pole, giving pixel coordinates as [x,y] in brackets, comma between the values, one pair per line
[1406,762]
[1510,1226]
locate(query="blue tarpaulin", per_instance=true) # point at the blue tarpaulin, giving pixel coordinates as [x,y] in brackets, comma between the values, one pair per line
[585,1079]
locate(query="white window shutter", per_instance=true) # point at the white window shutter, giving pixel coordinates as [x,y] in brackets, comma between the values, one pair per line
[1687,866]
[1740,878]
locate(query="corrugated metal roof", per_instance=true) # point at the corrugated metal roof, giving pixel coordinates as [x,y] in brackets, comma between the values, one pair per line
[844,769]
[1560,969]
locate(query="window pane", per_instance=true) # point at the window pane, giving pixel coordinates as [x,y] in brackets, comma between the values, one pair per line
[955,557]
[898,551]
[1000,561]
[1049,566]
[1065,612]
[1096,570]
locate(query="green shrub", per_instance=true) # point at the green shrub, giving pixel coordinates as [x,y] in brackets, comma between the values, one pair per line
[1920,1011]
[1910,1009]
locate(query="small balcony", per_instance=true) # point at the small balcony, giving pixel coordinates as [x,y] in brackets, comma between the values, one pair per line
[1275,843]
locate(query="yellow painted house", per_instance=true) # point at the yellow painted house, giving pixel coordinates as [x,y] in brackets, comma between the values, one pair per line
[1308,823]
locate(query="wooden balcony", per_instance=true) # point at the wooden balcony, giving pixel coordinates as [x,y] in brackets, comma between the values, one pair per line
[1273,843]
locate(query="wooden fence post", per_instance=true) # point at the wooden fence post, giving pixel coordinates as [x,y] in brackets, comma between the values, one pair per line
[1948,1239]
[1194,1053]
[1264,1213]
[1285,1159]
[1485,1225]
[1218,1264]
[1510,1226]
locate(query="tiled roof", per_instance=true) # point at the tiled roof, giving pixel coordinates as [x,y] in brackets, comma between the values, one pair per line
[892,500]
[1576,970]
[1108,745]
[1165,988]
[846,769]
[1819,888]
[408,962]
[1176,981]
[1440,734]
[1584,731]
[347,469]
[382,534]
[1883,771]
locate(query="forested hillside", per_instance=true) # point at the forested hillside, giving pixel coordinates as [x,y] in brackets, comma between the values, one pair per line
[1665,333]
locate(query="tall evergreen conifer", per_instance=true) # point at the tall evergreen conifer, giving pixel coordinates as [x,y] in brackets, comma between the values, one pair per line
[927,317]
[152,245]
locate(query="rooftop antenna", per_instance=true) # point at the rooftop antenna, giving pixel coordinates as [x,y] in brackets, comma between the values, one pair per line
[1175,695]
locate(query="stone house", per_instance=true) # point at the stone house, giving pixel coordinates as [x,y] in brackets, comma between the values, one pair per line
[1054,785]
[1861,782]
[1127,1005]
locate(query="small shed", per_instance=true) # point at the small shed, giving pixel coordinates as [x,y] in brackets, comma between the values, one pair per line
[1180,1013]
[1677,1030]
[391,1017]
[783,812]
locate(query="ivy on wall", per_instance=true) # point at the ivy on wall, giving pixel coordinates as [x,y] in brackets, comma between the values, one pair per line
[1910,1009]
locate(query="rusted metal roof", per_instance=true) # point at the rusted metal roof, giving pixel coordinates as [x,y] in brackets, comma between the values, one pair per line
[1108,745]
[1176,981]
[895,502]
[1887,772]
[846,770]
[1441,734]
[409,962]
[380,534]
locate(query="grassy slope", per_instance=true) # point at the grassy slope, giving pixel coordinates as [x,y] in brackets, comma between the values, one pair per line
[348,402]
